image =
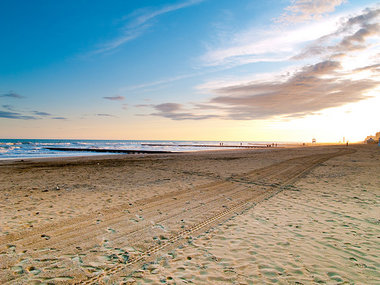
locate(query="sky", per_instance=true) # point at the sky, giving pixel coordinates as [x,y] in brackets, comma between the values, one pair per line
[244,70]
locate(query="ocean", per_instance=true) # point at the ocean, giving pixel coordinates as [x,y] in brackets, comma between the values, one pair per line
[36,148]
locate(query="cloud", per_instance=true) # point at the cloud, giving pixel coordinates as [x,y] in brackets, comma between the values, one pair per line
[334,36]
[373,67]
[273,45]
[279,42]
[38,113]
[339,75]
[11,94]
[175,112]
[143,105]
[25,115]
[139,22]
[305,10]
[161,82]
[8,107]
[58,118]
[311,89]
[168,107]
[124,106]
[14,115]
[351,36]
[114,98]
[348,69]
[105,115]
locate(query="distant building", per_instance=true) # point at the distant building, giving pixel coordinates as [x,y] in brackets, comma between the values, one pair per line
[313,140]
[373,139]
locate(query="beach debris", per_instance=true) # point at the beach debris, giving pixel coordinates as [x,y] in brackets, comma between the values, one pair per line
[45,236]
[33,270]
[77,259]
[17,270]
[159,226]
[11,247]
[110,230]
[134,220]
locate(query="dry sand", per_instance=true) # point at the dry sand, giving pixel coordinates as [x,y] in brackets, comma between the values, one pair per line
[287,216]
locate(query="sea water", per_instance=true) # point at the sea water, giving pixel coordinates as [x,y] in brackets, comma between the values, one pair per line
[32,148]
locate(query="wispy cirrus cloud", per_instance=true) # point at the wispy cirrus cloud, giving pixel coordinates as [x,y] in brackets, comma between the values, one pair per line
[279,43]
[351,36]
[114,98]
[305,10]
[139,22]
[273,45]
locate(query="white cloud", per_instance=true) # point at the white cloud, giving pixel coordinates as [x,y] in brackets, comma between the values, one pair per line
[356,33]
[348,72]
[279,44]
[305,10]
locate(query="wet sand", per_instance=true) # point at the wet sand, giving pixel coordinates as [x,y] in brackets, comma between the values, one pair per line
[303,215]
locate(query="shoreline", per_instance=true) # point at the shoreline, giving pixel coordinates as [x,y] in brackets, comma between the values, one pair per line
[129,155]
[106,155]
[22,149]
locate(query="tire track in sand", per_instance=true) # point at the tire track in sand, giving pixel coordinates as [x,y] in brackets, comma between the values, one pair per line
[205,206]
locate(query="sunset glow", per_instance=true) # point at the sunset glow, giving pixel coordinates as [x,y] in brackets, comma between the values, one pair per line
[190,70]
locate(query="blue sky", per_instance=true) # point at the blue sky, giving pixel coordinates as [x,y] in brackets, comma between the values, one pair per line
[192,69]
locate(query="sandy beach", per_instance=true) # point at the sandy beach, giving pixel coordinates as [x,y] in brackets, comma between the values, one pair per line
[287,216]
